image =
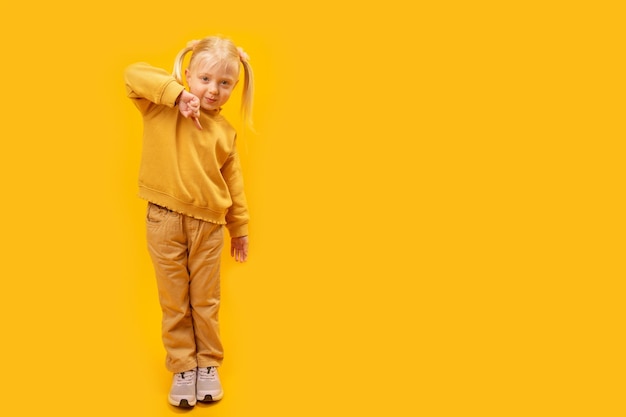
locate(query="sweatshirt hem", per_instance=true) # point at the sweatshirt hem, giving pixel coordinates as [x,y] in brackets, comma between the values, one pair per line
[181,207]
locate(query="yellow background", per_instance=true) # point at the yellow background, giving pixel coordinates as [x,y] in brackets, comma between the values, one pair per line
[436,195]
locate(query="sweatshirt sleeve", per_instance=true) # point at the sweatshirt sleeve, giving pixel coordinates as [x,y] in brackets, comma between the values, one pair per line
[154,85]
[237,216]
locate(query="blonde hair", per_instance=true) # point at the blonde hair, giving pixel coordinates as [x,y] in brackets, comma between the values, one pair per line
[220,48]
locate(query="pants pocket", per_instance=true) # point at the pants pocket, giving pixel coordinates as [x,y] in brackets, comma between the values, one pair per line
[156,214]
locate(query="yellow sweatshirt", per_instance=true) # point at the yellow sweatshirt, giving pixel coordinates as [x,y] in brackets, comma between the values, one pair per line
[190,171]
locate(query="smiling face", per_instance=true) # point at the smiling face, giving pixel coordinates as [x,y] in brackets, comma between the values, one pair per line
[212,81]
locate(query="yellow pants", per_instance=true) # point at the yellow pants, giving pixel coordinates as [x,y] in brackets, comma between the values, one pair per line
[186,254]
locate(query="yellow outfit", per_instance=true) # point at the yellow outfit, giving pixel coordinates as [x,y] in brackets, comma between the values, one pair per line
[193,182]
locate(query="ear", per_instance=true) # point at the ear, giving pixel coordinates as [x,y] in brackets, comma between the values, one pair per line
[187,75]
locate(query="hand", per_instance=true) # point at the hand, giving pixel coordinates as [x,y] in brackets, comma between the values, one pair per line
[189,106]
[239,248]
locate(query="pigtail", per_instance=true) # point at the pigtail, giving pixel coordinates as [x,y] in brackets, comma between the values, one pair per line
[248,90]
[178,61]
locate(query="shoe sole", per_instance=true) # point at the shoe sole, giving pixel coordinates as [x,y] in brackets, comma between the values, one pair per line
[181,404]
[210,398]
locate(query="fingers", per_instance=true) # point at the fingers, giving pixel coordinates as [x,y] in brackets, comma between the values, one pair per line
[239,255]
[239,249]
[194,104]
[194,107]
[190,107]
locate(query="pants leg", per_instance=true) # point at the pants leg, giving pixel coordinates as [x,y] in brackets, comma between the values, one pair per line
[167,246]
[206,242]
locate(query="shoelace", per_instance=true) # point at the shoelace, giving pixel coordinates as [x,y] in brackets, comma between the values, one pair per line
[181,380]
[207,373]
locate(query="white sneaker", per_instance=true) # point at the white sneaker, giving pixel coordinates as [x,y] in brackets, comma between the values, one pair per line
[183,391]
[208,386]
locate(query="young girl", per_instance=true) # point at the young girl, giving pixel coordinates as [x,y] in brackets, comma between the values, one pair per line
[190,174]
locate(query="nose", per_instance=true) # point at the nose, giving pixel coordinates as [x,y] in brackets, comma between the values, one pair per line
[213,88]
